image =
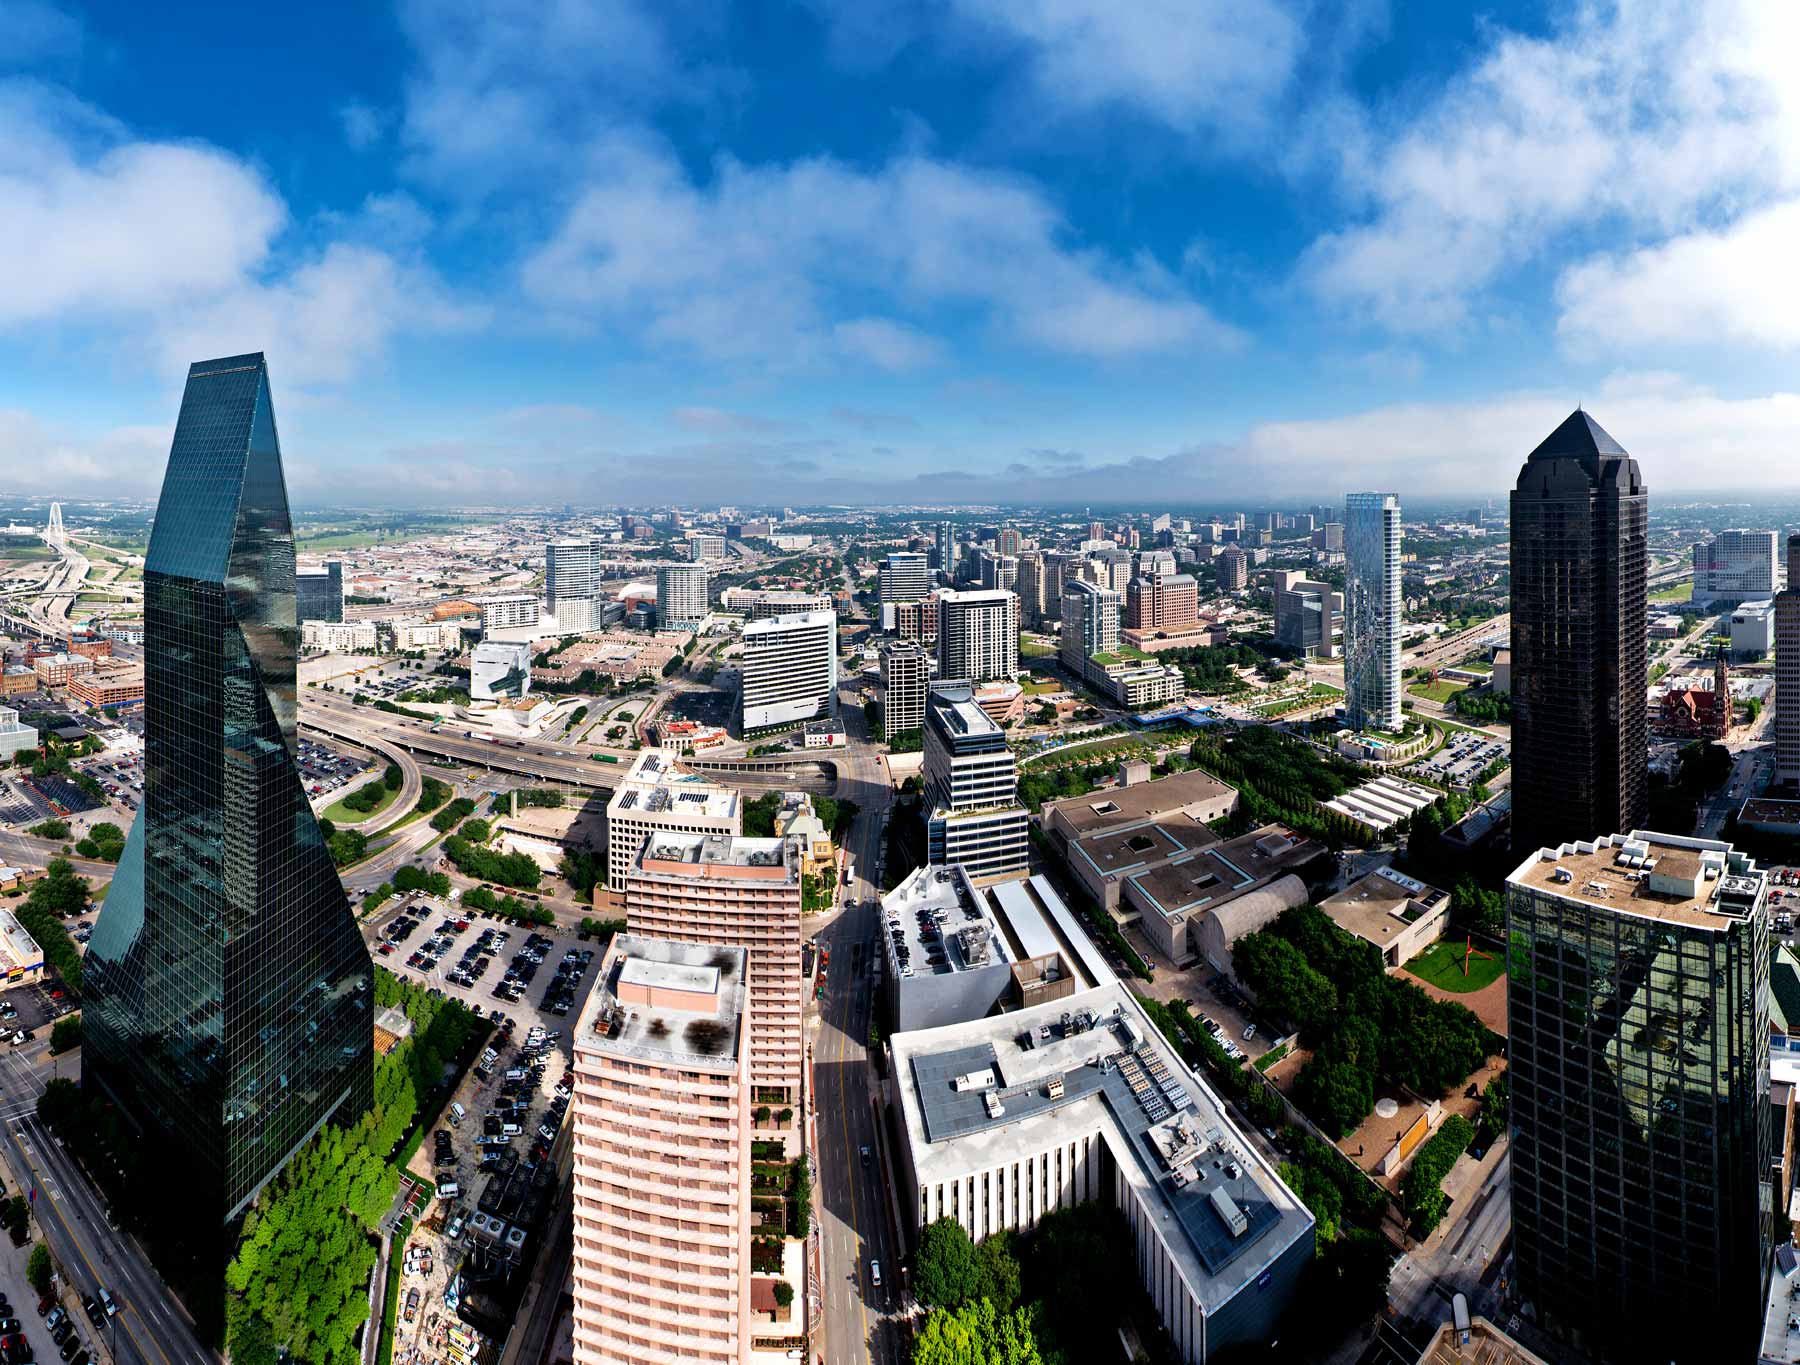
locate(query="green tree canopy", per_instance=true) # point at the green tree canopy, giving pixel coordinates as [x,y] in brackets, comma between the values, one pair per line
[945,1273]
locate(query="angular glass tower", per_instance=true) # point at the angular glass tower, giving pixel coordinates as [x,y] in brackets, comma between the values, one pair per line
[1580,556]
[228,989]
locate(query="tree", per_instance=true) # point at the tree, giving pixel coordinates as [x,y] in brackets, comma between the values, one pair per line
[978,1334]
[37,1268]
[1284,981]
[784,1294]
[998,1268]
[393,779]
[1337,1093]
[760,1114]
[945,1272]
[65,1034]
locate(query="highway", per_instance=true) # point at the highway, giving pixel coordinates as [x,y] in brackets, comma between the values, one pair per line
[1447,650]
[851,1200]
[404,800]
[150,1328]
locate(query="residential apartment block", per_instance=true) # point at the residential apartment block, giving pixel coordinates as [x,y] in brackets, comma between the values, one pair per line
[978,634]
[660,1125]
[905,676]
[742,893]
[789,671]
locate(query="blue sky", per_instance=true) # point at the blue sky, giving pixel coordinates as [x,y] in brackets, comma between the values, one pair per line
[1178,251]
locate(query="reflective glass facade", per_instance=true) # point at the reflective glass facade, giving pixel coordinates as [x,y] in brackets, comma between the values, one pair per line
[1580,560]
[228,989]
[1372,605]
[1641,1145]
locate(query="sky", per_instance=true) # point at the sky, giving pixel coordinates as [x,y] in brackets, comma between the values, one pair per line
[1180,252]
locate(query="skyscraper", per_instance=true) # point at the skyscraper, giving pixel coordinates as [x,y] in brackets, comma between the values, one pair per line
[227,985]
[571,583]
[1090,624]
[680,596]
[1638,1013]
[1787,671]
[661,1132]
[904,576]
[945,554]
[972,788]
[319,596]
[1372,611]
[789,671]
[905,674]
[1580,517]
[743,893]
[978,635]
[1736,567]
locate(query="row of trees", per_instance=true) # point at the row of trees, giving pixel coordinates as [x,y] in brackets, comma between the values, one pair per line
[57,895]
[484,864]
[297,1289]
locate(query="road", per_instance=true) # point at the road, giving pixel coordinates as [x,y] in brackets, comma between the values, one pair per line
[150,1328]
[22,850]
[854,1217]
[1447,650]
[1468,1259]
[404,800]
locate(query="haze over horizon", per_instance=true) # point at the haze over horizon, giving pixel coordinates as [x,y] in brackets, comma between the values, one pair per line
[935,251]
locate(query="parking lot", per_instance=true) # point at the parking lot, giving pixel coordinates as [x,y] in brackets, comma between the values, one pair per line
[325,769]
[1464,757]
[504,1120]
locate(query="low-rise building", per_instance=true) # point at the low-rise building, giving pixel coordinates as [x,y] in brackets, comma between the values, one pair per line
[797,820]
[15,736]
[339,637]
[687,736]
[20,956]
[1400,915]
[18,680]
[1006,1118]
[546,833]
[499,669]
[825,734]
[120,686]
[1191,894]
[55,670]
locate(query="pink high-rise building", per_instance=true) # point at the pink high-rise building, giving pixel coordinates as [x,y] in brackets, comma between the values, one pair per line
[661,1116]
[714,888]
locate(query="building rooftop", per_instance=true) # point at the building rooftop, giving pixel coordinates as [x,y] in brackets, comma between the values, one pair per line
[1701,883]
[973,1093]
[1578,436]
[1380,906]
[774,625]
[699,1023]
[937,924]
[720,855]
[954,706]
[656,783]
[1488,1345]
[20,946]
[1221,872]
[1139,801]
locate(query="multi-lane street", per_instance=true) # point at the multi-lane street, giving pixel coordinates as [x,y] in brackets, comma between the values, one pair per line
[150,1327]
[861,1322]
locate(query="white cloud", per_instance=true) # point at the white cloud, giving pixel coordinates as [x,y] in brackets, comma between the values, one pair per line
[1735,285]
[506,93]
[169,251]
[761,262]
[1194,65]
[37,458]
[124,226]
[1631,119]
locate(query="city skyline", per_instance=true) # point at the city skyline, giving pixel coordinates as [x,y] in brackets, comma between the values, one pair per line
[1012,285]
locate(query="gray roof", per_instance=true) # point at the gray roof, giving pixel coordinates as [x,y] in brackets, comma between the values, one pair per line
[1579,437]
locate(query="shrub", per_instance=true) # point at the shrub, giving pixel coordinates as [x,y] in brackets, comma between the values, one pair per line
[65,1034]
[1422,1192]
[37,1268]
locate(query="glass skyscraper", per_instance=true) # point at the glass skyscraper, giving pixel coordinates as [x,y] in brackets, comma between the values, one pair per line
[229,1000]
[1638,1019]
[1372,611]
[1580,559]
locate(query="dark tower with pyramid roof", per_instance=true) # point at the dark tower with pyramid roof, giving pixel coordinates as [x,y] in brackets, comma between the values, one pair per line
[1580,520]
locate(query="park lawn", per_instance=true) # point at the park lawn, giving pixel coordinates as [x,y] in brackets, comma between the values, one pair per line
[1033,649]
[1441,965]
[340,814]
[1675,592]
[1034,689]
[1440,691]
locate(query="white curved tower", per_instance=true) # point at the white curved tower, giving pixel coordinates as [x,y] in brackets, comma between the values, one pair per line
[54,532]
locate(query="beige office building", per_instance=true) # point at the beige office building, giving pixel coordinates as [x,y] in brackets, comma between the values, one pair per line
[716,888]
[659,796]
[661,1146]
